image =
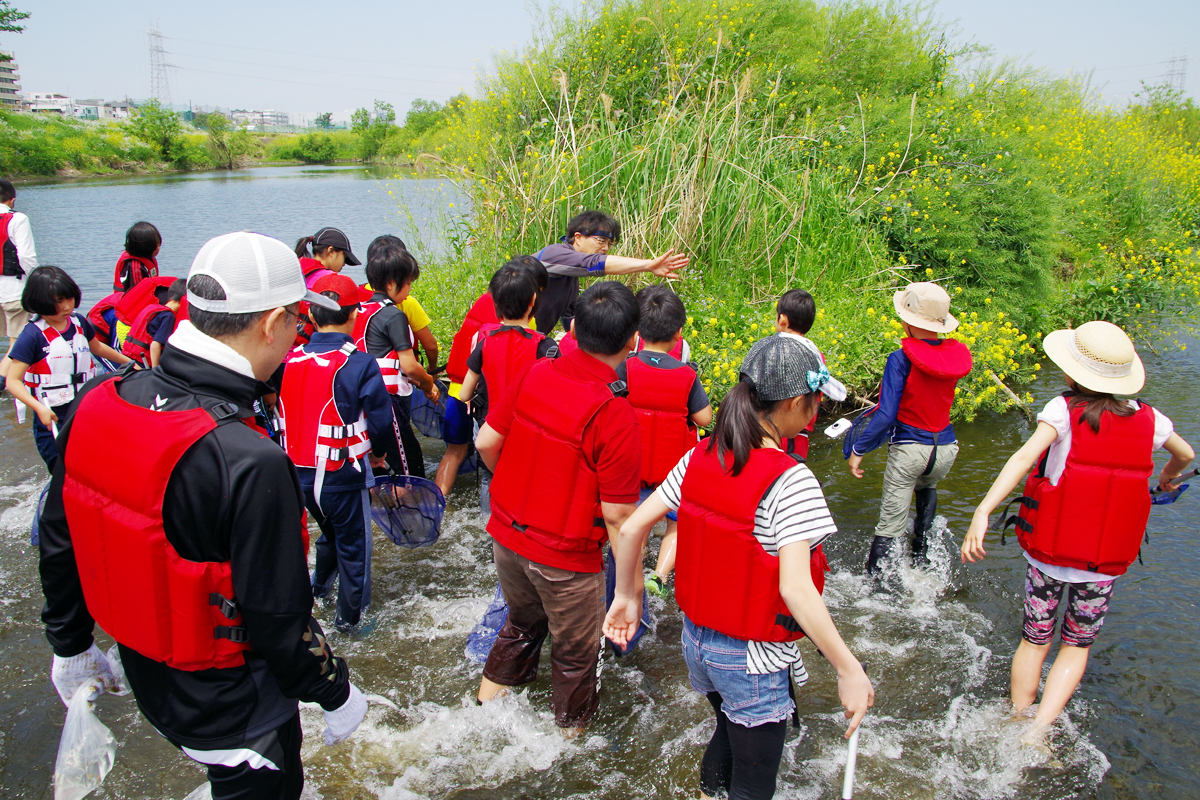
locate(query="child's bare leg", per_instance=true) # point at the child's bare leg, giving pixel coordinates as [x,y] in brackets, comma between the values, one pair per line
[447,469]
[489,690]
[1027,673]
[1062,682]
[666,553]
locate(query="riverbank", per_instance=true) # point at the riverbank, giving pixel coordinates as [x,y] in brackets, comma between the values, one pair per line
[778,155]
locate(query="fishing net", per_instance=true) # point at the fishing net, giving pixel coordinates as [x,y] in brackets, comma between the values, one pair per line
[408,509]
[483,635]
[610,589]
[1166,498]
[34,538]
[856,430]
[430,418]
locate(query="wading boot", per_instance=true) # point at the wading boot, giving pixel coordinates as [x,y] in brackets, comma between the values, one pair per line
[881,550]
[926,507]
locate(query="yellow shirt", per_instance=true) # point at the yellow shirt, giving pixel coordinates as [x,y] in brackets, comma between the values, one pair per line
[417,318]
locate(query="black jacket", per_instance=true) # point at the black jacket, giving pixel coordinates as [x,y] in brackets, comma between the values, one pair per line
[233,496]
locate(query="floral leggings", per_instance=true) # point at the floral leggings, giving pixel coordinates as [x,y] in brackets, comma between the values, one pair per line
[1087,603]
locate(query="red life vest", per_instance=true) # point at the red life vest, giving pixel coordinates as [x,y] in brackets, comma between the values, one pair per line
[660,398]
[568,344]
[148,269]
[560,510]
[8,251]
[137,341]
[482,311]
[680,352]
[96,316]
[394,379]
[136,585]
[507,350]
[1095,517]
[314,433]
[67,366]
[132,302]
[724,579]
[929,390]
[313,271]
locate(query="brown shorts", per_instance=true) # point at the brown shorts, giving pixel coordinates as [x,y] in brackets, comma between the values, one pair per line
[567,605]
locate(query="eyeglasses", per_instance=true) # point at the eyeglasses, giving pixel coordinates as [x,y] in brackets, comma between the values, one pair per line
[602,240]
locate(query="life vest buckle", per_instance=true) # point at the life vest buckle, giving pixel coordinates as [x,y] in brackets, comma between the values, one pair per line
[225,605]
[223,410]
[234,634]
[619,388]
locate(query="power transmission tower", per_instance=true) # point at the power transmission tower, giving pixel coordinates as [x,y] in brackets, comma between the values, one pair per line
[160,87]
[1176,73]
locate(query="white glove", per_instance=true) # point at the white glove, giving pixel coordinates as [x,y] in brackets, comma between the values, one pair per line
[68,674]
[344,720]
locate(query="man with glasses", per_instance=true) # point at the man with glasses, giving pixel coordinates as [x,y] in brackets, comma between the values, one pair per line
[193,553]
[583,253]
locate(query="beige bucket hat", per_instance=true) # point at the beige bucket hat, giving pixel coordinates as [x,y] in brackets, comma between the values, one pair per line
[1098,356]
[925,305]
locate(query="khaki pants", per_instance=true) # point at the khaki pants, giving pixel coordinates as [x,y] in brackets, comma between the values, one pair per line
[904,475]
[15,318]
[567,605]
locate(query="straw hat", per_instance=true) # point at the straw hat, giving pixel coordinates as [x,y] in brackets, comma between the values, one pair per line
[1098,356]
[925,305]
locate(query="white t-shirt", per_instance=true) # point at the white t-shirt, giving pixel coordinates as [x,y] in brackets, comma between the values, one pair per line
[793,510]
[22,238]
[1057,415]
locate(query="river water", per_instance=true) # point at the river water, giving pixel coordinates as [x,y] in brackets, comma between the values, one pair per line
[938,647]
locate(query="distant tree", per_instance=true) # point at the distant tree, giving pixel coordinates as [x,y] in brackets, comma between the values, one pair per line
[230,147]
[9,17]
[162,129]
[422,116]
[325,120]
[373,130]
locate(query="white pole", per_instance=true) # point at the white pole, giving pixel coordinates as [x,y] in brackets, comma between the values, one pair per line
[851,760]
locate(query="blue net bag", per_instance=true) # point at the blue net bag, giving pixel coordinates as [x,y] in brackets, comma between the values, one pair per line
[408,509]
[483,635]
[37,515]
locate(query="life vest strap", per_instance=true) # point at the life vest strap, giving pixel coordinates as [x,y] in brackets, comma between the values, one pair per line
[788,623]
[342,453]
[237,635]
[342,431]
[227,606]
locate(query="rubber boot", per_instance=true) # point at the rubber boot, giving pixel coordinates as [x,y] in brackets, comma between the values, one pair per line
[926,508]
[881,550]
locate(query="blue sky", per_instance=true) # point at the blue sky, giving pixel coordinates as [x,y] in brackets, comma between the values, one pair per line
[321,56]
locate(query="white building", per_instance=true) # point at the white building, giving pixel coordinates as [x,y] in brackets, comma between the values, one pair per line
[51,103]
[10,83]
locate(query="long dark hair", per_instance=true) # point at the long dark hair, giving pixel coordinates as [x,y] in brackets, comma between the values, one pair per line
[302,247]
[1095,405]
[739,427]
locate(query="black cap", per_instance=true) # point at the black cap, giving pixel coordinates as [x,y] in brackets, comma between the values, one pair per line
[332,237]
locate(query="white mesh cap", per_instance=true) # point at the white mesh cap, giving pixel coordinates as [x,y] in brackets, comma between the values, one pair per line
[256,272]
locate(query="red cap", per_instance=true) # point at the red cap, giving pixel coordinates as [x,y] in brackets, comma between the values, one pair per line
[341,285]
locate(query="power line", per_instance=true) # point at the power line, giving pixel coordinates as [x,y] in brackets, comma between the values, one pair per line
[299,83]
[312,69]
[294,54]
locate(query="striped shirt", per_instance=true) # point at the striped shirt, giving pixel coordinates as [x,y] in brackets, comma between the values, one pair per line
[793,510]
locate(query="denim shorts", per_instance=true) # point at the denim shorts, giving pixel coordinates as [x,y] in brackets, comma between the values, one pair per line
[458,426]
[717,663]
[646,492]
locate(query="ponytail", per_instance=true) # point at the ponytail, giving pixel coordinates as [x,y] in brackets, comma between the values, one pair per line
[739,428]
[302,244]
[1095,405]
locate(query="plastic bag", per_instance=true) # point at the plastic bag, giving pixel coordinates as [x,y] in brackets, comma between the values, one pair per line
[483,635]
[87,749]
